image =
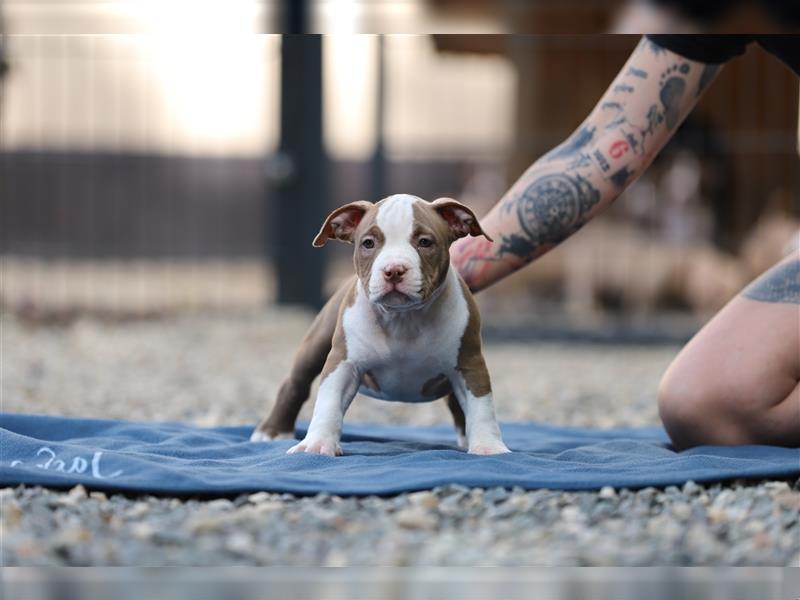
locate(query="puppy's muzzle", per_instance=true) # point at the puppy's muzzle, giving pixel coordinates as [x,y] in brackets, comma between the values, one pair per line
[394,273]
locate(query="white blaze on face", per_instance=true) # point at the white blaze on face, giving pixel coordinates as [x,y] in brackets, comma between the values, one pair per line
[396,220]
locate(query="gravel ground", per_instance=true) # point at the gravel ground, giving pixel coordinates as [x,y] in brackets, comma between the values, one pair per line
[213,370]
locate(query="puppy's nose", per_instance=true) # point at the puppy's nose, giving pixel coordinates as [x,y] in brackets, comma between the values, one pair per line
[394,273]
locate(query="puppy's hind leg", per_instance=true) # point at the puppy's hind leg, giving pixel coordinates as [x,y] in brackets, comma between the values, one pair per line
[458,419]
[308,363]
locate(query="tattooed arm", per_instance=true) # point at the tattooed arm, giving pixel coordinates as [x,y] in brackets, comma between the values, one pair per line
[571,184]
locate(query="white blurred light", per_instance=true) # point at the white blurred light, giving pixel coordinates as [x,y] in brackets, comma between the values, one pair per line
[195,78]
[342,17]
[210,66]
[349,68]
[447,105]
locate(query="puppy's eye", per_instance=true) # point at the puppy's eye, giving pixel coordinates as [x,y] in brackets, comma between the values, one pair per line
[424,242]
[368,243]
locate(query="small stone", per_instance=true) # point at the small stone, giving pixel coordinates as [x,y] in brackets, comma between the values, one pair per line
[451,506]
[665,529]
[690,488]
[220,504]
[497,494]
[520,502]
[12,513]
[28,549]
[755,527]
[138,510]
[724,497]
[516,503]
[476,493]
[717,515]
[682,511]
[63,500]
[71,536]
[78,493]
[761,541]
[142,531]
[454,490]
[326,516]
[268,506]
[789,499]
[258,497]
[71,498]
[701,543]
[99,496]
[607,492]
[239,543]
[415,518]
[206,524]
[647,493]
[777,486]
[572,514]
[424,499]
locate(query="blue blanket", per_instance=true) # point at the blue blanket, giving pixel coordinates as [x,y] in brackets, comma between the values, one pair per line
[177,459]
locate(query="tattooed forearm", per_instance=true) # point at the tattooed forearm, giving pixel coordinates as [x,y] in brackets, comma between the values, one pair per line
[673,85]
[549,210]
[574,143]
[568,186]
[580,160]
[780,284]
[640,73]
[621,177]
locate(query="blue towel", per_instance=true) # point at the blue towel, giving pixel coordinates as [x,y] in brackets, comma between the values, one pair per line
[177,459]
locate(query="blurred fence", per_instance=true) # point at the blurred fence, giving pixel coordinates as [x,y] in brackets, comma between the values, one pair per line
[122,205]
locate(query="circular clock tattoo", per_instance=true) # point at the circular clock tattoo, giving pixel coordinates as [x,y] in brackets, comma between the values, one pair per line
[551,209]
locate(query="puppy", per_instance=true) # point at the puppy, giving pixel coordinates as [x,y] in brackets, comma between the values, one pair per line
[405,328]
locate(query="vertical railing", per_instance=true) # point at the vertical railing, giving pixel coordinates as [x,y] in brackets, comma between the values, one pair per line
[299,172]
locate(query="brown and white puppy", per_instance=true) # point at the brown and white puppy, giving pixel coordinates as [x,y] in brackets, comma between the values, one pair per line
[405,328]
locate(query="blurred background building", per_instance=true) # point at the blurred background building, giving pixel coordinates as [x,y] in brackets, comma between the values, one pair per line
[144,163]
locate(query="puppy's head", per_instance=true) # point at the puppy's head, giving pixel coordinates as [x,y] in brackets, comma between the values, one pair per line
[401,244]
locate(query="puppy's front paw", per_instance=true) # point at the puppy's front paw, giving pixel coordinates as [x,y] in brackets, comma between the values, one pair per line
[265,436]
[488,447]
[327,446]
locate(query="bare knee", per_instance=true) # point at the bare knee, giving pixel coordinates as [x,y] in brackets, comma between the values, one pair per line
[701,411]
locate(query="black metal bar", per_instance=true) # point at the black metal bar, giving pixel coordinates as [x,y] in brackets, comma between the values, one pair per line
[294,16]
[378,179]
[3,67]
[299,178]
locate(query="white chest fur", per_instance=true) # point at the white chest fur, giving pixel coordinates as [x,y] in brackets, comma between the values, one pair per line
[402,351]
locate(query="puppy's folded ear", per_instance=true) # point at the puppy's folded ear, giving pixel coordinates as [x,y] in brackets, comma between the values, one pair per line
[342,223]
[462,220]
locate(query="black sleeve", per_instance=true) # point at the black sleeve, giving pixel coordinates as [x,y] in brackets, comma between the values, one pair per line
[709,49]
[703,12]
